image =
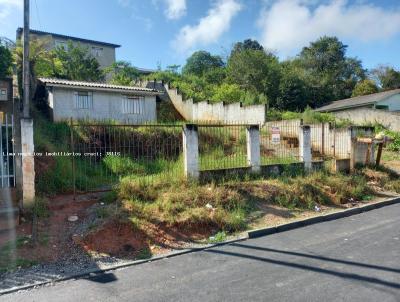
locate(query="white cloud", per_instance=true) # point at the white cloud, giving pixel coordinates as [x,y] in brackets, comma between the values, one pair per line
[175,9]
[210,28]
[288,25]
[6,6]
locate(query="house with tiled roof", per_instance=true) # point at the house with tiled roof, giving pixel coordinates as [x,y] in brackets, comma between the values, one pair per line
[79,100]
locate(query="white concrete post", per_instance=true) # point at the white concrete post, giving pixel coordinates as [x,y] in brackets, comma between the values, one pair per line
[191,151]
[305,146]
[28,162]
[253,147]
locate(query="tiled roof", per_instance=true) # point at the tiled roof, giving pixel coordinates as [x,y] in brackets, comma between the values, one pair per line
[38,32]
[60,82]
[359,101]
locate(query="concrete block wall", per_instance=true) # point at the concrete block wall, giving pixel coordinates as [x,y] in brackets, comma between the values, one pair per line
[363,116]
[204,111]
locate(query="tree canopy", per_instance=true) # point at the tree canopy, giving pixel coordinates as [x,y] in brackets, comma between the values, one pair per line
[5,60]
[77,63]
[200,62]
[387,77]
[122,73]
[365,87]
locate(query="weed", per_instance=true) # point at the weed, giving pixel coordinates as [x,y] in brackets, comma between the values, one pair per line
[219,237]
[102,212]
[144,253]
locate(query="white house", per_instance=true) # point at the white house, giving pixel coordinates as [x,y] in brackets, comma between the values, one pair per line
[382,108]
[100,102]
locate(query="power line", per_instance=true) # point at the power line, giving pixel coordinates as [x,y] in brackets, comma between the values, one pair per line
[38,16]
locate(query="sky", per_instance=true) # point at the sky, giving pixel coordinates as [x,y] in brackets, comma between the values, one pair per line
[166,32]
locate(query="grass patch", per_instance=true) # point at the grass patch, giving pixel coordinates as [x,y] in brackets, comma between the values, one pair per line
[9,260]
[228,207]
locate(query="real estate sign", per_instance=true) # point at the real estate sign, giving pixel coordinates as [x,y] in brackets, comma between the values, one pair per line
[276,135]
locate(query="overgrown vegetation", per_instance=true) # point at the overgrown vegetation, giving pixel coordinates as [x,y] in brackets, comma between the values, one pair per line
[227,207]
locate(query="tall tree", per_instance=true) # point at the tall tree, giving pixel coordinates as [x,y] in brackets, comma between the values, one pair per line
[293,90]
[387,77]
[200,62]
[255,71]
[332,75]
[122,73]
[5,60]
[78,63]
[246,44]
[365,87]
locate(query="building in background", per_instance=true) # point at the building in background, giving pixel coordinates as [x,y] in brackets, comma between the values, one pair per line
[104,52]
[382,108]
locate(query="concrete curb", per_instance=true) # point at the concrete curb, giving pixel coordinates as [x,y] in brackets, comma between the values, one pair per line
[250,234]
[322,218]
[94,272]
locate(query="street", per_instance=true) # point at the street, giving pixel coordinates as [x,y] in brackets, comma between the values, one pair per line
[351,259]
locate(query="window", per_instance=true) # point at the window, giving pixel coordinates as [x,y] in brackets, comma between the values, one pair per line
[133,105]
[97,51]
[3,94]
[61,44]
[83,100]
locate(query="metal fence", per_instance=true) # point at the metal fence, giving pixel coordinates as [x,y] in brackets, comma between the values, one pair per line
[104,154]
[7,152]
[222,146]
[279,142]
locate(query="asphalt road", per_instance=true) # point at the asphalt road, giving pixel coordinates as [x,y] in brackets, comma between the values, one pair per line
[351,259]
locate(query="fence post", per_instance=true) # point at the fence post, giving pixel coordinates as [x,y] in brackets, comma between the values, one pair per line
[305,146]
[191,151]
[28,162]
[353,148]
[253,147]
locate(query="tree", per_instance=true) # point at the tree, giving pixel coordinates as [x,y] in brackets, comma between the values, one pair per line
[173,68]
[200,62]
[78,64]
[331,74]
[43,63]
[255,71]
[293,90]
[246,44]
[365,87]
[387,77]
[5,60]
[122,73]
[228,93]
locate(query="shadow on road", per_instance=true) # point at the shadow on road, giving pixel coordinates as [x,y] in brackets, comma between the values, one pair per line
[315,269]
[366,265]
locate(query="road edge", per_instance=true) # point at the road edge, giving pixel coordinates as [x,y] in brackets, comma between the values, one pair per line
[250,235]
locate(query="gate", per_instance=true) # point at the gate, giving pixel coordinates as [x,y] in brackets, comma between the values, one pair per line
[7,156]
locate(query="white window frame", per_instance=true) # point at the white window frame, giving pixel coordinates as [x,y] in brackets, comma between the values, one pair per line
[83,100]
[133,105]
[97,51]
[3,94]
[60,43]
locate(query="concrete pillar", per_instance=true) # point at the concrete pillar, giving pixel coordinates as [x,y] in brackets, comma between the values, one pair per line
[191,151]
[28,162]
[253,147]
[305,146]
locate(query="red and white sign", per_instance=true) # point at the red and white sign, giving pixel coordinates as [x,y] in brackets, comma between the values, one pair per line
[276,135]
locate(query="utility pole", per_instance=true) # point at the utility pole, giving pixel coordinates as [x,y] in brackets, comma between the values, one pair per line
[26,67]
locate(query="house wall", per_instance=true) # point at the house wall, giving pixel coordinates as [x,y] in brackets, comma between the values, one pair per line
[370,116]
[393,102]
[106,106]
[106,59]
